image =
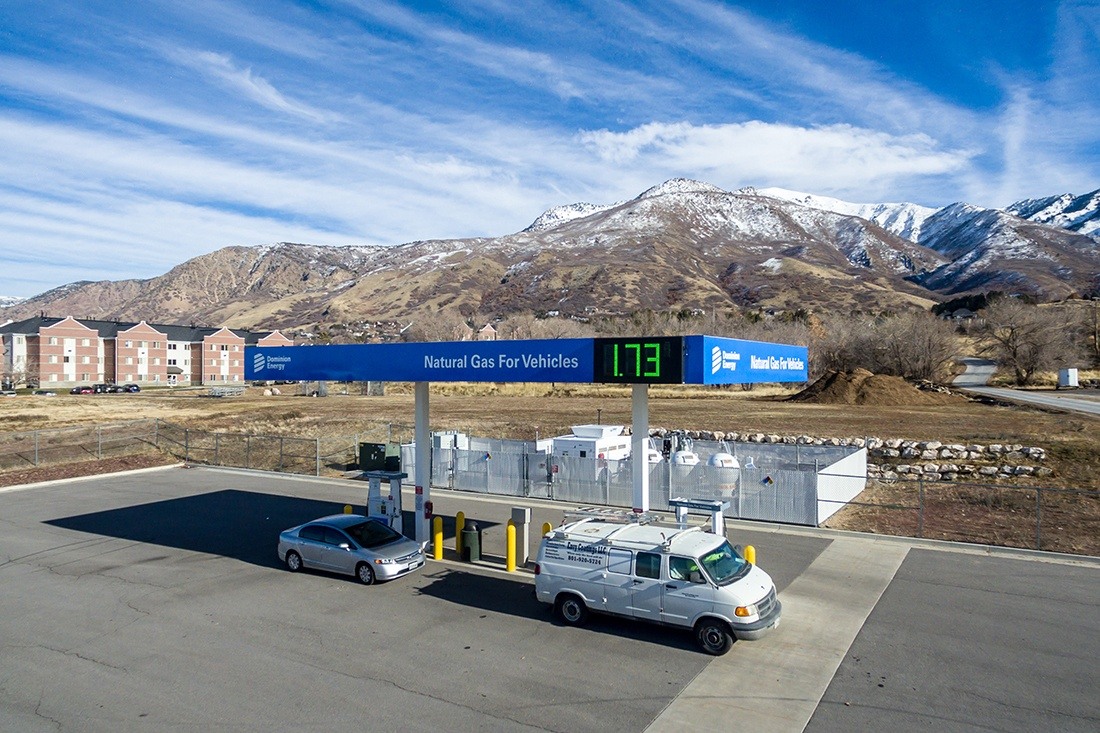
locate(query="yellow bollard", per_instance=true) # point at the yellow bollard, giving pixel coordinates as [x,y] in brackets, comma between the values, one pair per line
[347,508]
[750,554]
[437,538]
[510,551]
[460,523]
[547,528]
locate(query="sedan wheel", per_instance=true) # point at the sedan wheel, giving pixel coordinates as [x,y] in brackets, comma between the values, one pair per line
[293,561]
[365,573]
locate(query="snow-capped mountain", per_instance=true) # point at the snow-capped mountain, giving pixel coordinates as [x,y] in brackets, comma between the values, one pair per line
[990,249]
[903,219]
[8,300]
[561,214]
[1076,213]
[680,245]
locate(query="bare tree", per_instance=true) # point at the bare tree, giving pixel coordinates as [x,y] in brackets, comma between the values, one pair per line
[441,326]
[915,345]
[1028,339]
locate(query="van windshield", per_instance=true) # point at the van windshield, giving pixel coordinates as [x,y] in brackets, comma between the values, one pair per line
[724,565]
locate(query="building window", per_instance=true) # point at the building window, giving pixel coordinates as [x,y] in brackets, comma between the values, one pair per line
[129,344]
[156,344]
[225,347]
[171,347]
[53,341]
[53,377]
[18,339]
[156,361]
[236,377]
[156,377]
[85,342]
[236,347]
[65,359]
[129,360]
[171,362]
[85,360]
[53,359]
[142,344]
[141,360]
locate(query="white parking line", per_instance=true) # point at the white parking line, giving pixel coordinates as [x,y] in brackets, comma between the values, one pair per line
[775,684]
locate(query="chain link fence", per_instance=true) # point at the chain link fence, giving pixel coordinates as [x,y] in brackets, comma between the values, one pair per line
[35,448]
[1032,517]
[788,490]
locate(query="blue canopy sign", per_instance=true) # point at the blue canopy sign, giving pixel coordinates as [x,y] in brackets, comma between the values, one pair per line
[652,360]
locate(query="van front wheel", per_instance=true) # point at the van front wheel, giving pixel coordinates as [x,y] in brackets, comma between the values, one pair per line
[571,609]
[713,636]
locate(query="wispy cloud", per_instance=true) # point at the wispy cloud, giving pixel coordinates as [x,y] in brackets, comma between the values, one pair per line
[253,86]
[167,130]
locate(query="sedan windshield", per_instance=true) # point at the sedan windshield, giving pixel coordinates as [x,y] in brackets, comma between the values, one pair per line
[372,534]
[724,565]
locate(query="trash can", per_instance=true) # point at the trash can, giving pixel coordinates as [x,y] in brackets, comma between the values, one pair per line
[471,542]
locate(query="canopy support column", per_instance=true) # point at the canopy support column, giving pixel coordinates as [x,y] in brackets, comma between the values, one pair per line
[422,476]
[639,442]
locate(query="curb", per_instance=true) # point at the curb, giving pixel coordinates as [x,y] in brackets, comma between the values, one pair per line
[53,482]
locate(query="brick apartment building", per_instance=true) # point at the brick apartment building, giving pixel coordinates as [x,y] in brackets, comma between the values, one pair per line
[64,352]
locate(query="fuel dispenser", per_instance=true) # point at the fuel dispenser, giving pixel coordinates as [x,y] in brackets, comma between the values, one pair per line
[385,501]
[714,507]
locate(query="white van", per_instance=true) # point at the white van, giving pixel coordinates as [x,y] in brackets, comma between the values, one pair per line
[680,577]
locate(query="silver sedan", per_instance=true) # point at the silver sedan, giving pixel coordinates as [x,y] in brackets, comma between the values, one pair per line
[352,544]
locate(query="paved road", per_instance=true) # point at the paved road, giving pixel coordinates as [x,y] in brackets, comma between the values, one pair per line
[979,371]
[154,601]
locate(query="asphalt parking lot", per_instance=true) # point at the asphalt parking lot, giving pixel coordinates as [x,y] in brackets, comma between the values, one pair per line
[155,601]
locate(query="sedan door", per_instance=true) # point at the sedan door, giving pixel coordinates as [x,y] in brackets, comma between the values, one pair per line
[311,544]
[338,552]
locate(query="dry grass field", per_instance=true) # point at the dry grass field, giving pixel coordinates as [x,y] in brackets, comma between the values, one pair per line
[524,411]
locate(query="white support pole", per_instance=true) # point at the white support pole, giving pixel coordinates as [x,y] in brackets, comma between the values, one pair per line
[639,440]
[422,475]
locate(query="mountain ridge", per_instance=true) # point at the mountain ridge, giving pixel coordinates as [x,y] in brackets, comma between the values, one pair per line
[682,244]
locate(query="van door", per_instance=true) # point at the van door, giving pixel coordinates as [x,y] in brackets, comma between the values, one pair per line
[646,597]
[618,589]
[686,593]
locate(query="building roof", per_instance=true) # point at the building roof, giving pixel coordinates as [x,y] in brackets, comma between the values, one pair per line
[111,329]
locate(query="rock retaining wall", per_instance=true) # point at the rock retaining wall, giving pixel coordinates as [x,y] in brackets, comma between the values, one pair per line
[906,460]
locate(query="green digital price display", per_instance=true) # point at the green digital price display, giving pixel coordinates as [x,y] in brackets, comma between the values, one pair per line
[656,360]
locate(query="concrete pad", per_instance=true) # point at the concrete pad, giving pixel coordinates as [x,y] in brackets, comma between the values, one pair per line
[775,684]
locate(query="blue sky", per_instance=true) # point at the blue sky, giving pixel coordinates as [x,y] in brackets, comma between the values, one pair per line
[136,135]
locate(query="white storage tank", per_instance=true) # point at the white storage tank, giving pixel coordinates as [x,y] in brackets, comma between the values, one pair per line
[684,458]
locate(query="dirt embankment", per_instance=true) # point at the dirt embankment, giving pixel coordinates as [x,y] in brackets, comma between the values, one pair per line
[861,387]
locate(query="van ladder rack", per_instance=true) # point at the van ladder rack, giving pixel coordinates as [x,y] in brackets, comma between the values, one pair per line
[609,514]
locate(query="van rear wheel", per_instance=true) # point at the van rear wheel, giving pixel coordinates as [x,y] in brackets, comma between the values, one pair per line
[571,609]
[714,636]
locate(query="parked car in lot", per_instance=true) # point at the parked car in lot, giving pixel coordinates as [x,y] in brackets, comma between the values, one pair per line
[8,393]
[81,390]
[45,393]
[129,388]
[353,544]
